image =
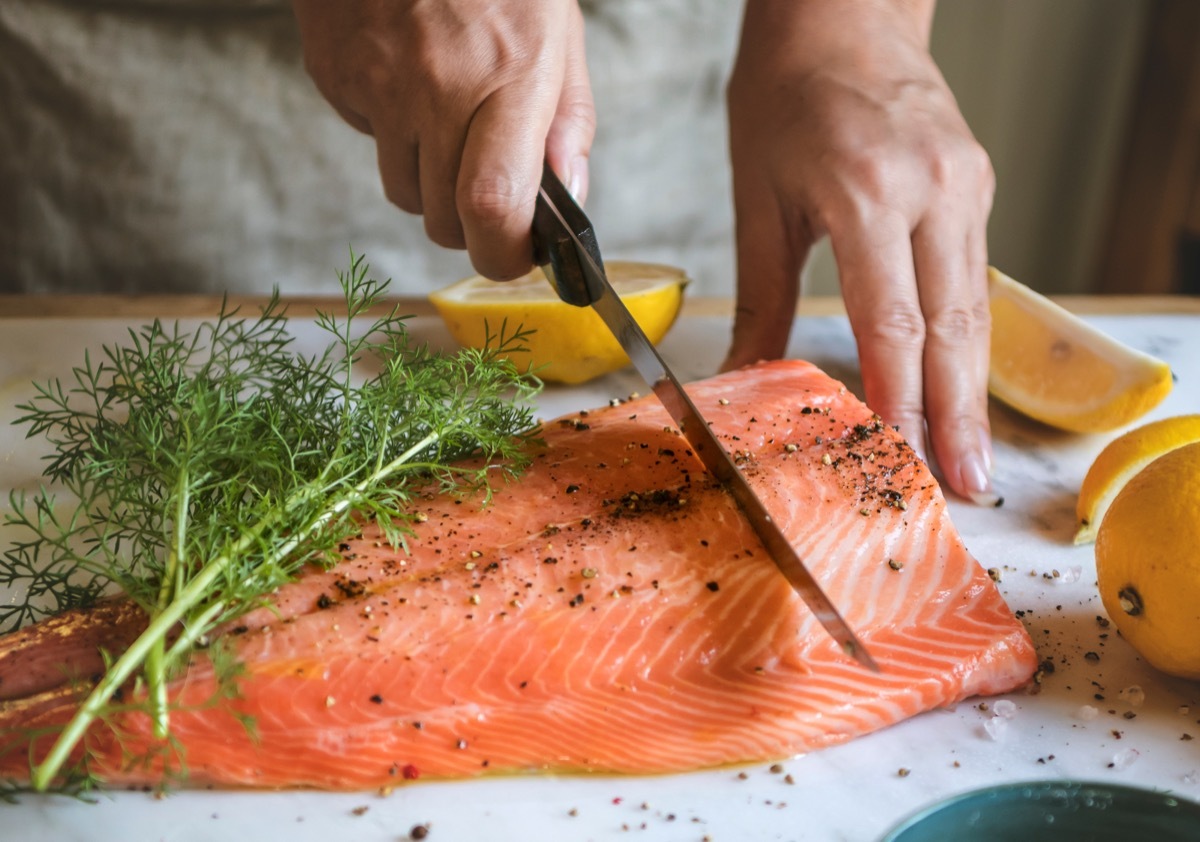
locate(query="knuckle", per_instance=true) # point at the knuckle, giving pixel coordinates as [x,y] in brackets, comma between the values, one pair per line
[491,201]
[987,179]
[871,176]
[980,162]
[961,425]
[960,163]
[954,325]
[902,327]
[578,111]
[375,76]
[578,124]
[981,313]
[944,165]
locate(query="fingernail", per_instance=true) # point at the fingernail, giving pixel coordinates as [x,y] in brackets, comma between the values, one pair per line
[985,448]
[577,177]
[978,481]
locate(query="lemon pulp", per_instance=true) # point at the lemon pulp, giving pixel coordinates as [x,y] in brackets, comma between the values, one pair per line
[569,344]
[1121,460]
[1054,367]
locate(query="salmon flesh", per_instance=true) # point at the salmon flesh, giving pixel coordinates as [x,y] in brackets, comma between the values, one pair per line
[611,611]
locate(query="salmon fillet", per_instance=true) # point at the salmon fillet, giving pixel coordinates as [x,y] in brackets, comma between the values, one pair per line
[611,611]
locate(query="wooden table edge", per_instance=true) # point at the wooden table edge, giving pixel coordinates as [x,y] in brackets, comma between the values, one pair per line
[205,306]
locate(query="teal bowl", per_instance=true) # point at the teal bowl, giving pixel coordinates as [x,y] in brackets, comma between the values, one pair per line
[1054,811]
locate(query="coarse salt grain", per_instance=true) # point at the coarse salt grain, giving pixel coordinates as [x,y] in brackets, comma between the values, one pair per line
[1068,576]
[1087,712]
[1191,777]
[1124,759]
[1133,695]
[996,727]
[1004,708]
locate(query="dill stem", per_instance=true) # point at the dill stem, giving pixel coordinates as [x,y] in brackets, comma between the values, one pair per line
[156,680]
[151,640]
[194,630]
[155,671]
[138,653]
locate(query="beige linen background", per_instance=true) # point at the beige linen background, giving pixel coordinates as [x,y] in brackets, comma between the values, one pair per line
[177,145]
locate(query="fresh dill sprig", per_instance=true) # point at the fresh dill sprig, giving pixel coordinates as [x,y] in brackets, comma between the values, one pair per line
[210,466]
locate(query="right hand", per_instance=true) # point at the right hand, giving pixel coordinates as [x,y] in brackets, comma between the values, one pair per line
[465,98]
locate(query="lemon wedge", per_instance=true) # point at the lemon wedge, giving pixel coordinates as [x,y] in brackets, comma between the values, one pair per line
[569,344]
[1121,460]
[1147,567]
[1050,365]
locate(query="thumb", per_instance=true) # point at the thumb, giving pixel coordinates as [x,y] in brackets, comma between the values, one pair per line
[769,259]
[573,127]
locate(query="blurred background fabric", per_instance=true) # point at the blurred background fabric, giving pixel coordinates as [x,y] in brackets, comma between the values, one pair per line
[179,146]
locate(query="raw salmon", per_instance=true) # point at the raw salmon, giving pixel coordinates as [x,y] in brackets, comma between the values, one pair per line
[609,612]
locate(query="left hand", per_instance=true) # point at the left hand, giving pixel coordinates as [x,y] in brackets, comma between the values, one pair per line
[842,125]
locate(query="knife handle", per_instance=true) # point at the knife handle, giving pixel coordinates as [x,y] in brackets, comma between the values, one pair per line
[558,225]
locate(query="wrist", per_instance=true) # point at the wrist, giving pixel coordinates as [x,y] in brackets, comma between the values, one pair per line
[814,24]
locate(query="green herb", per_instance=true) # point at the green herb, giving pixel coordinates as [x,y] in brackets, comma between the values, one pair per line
[211,466]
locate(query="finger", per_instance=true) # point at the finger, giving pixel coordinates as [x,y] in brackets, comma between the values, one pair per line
[977,268]
[954,303]
[356,120]
[499,176]
[770,255]
[875,263]
[440,155]
[399,169]
[569,141]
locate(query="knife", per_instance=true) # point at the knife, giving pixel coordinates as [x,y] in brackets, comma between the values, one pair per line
[565,246]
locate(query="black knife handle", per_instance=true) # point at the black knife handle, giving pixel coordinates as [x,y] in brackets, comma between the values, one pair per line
[558,224]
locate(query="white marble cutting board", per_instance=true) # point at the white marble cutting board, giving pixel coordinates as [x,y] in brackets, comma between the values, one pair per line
[850,792]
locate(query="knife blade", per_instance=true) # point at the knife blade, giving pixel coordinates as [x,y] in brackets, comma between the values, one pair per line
[565,246]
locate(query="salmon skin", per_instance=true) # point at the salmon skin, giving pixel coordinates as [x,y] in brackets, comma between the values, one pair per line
[611,611]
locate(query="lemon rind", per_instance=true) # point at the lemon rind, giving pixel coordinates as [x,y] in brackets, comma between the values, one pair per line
[1147,382]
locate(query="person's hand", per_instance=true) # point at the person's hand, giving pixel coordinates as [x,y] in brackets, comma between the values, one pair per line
[465,98]
[841,125]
